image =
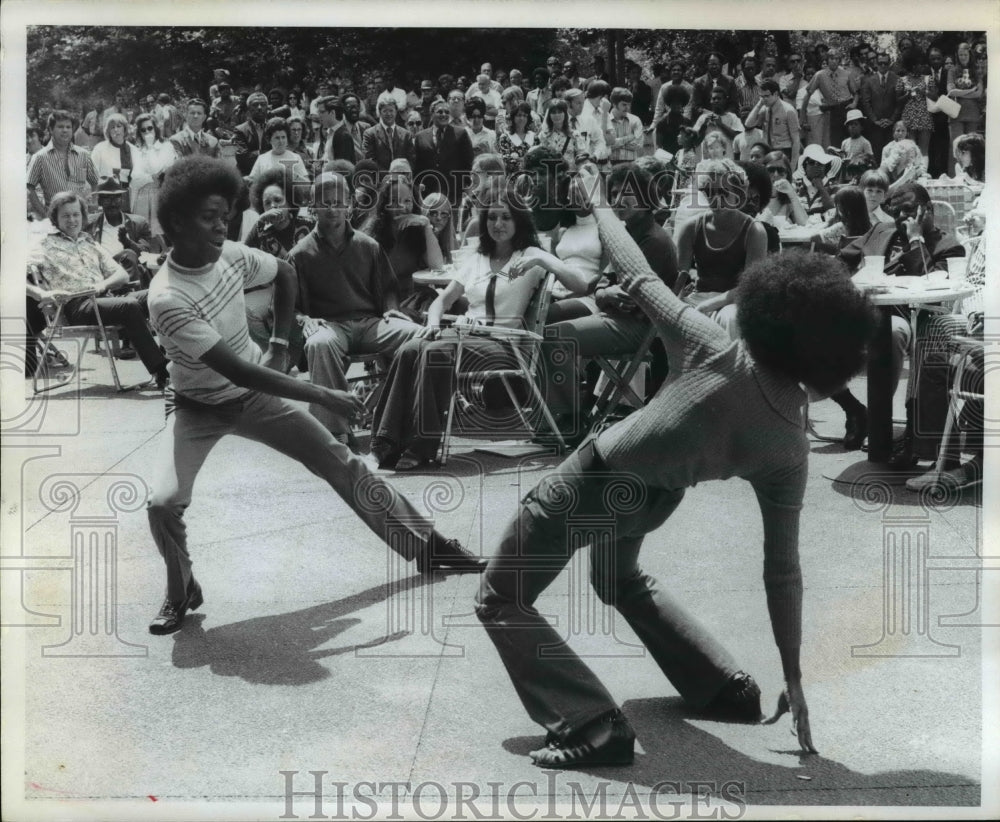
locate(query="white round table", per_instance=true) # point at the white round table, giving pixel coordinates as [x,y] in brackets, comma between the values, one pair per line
[437,278]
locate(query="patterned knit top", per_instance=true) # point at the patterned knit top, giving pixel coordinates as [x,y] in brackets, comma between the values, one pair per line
[718,415]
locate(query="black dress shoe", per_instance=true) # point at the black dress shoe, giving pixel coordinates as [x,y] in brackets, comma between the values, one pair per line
[856,428]
[448,555]
[171,615]
[609,740]
[739,699]
[902,457]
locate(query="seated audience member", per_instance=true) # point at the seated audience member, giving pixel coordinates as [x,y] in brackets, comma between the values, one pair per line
[757,152]
[658,165]
[618,327]
[68,261]
[902,160]
[816,173]
[124,236]
[363,182]
[785,202]
[925,423]
[911,246]
[348,300]
[850,221]
[686,158]
[276,136]
[408,238]
[59,166]
[499,282]
[970,154]
[437,210]
[280,226]
[151,159]
[758,198]
[875,186]
[719,244]
[484,140]
[488,181]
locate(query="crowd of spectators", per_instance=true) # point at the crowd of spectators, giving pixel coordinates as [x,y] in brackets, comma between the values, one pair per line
[827,138]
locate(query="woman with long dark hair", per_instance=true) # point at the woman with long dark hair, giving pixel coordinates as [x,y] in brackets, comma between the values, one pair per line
[498,282]
[851,220]
[514,144]
[152,157]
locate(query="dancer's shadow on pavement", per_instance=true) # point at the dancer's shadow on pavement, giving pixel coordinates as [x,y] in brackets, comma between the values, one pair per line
[285,649]
[677,754]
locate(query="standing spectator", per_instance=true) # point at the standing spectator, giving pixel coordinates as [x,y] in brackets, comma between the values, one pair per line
[223,114]
[856,150]
[514,143]
[793,83]
[516,78]
[168,119]
[442,155]
[298,140]
[833,83]
[675,82]
[570,72]
[90,132]
[193,139]
[965,86]
[489,95]
[642,94]
[484,140]
[747,90]
[120,106]
[60,166]
[593,120]
[624,135]
[912,90]
[427,98]
[600,71]
[903,47]
[389,89]
[112,157]
[538,98]
[559,136]
[219,76]
[385,141]
[152,157]
[713,78]
[294,104]
[456,109]
[718,119]
[778,120]
[279,156]
[939,146]
[768,69]
[248,137]
[880,103]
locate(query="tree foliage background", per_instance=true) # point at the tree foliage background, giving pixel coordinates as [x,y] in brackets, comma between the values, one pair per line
[78,66]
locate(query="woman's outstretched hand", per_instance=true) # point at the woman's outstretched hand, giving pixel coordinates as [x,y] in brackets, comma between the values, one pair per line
[793,700]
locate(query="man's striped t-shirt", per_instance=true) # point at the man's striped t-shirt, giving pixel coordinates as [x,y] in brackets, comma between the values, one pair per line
[191,309]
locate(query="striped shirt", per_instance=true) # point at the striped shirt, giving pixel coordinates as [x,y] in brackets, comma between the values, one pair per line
[747,93]
[628,138]
[47,169]
[191,309]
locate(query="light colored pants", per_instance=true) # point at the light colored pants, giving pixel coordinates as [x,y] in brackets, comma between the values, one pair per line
[327,349]
[193,430]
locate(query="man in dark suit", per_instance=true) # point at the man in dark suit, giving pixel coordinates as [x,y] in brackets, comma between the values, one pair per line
[443,155]
[193,138]
[880,104]
[385,141]
[939,150]
[125,236]
[346,141]
[701,95]
[248,137]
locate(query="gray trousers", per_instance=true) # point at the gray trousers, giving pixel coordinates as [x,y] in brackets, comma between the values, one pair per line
[557,688]
[194,429]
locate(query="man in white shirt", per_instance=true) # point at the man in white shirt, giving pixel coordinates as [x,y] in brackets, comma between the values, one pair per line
[593,120]
[391,90]
[483,89]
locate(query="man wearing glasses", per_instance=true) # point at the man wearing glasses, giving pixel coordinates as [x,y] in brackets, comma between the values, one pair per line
[880,104]
[792,84]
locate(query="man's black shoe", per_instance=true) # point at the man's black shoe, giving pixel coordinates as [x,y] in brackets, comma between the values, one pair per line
[609,740]
[171,615]
[739,699]
[856,428]
[902,457]
[448,555]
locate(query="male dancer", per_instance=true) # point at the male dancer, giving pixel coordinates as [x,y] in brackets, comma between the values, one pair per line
[223,383]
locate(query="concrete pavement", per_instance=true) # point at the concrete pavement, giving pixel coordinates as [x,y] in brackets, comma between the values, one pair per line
[316,652]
